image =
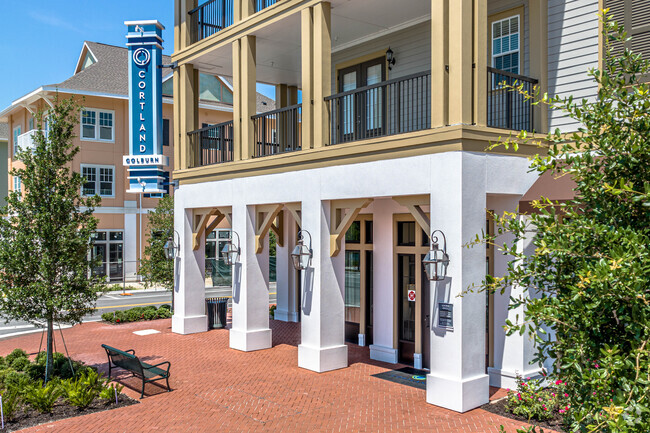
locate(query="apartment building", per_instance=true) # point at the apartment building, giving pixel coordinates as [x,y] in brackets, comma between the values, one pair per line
[379,145]
[4,140]
[100,85]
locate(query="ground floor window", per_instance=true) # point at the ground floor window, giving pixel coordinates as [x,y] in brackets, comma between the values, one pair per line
[217,273]
[108,245]
[358,280]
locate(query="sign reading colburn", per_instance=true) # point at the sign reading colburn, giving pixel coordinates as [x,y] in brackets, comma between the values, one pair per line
[145,159]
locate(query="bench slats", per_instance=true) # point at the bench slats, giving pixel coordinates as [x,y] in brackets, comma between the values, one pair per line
[132,363]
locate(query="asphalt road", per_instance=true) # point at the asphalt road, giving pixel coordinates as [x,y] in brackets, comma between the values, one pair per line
[114,301]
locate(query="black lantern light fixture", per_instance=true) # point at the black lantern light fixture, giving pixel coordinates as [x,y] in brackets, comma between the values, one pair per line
[390,58]
[436,261]
[171,248]
[302,254]
[230,251]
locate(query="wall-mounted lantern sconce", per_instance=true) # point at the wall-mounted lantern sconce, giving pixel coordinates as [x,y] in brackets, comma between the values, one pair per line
[172,248]
[302,254]
[230,251]
[436,261]
[390,59]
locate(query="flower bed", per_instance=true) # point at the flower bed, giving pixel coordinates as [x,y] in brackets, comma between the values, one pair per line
[74,389]
[137,314]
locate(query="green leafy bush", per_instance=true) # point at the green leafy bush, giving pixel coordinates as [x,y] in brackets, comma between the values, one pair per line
[11,402]
[81,392]
[18,381]
[19,364]
[166,307]
[109,390]
[272,309]
[136,314]
[534,401]
[150,314]
[15,354]
[163,313]
[108,317]
[43,398]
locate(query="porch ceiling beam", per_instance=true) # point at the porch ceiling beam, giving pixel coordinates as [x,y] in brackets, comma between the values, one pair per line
[341,220]
[264,218]
[414,205]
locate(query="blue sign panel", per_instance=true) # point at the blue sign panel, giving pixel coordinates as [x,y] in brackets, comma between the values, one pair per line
[145,159]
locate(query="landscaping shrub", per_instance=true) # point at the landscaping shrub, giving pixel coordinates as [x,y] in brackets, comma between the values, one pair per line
[166,307]
[109,390]
[19,364]
[11,402]
[15,354]
[42,398]
[150,314]
[136,314]
[163,313]
[17,381]
[81,392]
[272,309]
[533,401]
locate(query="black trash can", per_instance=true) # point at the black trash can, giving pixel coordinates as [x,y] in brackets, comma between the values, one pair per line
[217,312]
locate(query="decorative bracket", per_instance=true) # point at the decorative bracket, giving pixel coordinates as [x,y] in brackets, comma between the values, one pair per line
[264,218]
[341,220]
[414,205]
[203,225]
[294,209]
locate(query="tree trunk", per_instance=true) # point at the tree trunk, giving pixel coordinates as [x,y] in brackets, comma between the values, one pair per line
[50,354]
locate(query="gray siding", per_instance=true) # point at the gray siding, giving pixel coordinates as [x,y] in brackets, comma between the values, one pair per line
[572,51]
[412,48]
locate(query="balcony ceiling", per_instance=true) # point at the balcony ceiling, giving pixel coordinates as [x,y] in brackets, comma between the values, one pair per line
[353,21]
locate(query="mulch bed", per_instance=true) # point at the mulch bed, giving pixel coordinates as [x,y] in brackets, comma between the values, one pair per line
[30,418]
[499,408]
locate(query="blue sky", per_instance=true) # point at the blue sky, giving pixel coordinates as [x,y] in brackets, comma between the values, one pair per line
[40,40]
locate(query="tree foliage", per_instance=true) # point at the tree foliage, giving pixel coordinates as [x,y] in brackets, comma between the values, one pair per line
[155,267]
[44,240]
[589,276]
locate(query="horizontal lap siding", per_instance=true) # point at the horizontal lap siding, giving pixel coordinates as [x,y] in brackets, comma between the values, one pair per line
[572,51]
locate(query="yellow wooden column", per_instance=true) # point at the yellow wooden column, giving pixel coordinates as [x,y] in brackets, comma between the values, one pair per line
[480,62]
[186,101]
[539,57]
[322,72]
[182,24]
[439,63]
[461,27]
[248,90]
[306,38]
[281,96]
[236,100]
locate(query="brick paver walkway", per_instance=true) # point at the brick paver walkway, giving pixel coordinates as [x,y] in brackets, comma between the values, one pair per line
[217,389]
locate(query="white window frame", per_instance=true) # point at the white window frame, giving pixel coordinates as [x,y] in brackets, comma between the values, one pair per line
[18,184]
[17,132]
[98,179]
[519,41]
[97,112]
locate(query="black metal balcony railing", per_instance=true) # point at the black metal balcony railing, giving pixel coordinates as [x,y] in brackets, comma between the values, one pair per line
[210,18]
[507,108]
[263,4]
[391,107]
[278,131]
[211,145]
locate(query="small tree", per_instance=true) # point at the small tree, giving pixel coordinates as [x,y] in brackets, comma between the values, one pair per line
[155,267]
[45,239]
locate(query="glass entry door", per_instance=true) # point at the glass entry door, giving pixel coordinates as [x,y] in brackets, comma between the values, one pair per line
[406,308]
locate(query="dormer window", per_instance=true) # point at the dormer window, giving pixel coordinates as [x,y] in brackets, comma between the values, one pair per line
[88,60]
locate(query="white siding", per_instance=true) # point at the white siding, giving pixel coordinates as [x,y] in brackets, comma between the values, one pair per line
[572,51]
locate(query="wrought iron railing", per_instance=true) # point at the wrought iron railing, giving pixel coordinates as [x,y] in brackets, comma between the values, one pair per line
[210,18]
[391,107]
[211,145]
[508,108]
[263,4]
[278,131]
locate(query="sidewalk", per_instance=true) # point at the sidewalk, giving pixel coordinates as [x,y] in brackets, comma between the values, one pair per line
[220,389]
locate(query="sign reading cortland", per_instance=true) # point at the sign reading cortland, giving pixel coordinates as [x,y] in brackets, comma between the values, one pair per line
[145,159]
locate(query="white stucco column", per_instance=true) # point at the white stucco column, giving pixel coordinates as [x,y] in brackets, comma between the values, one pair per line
[512,355]
[382,348]
[323,334]
[250,286]
[189,285]
[286,281]
[458,198]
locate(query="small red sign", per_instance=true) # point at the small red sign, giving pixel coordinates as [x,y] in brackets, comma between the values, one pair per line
[411,295]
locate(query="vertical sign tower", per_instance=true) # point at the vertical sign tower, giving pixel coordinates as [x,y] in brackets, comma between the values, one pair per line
[145,159]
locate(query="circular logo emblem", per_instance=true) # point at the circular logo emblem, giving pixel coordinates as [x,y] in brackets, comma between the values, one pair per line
[141,57]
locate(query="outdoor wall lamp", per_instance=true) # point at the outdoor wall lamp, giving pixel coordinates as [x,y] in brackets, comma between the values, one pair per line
[436,261]
[172,248]
[302,254]
[230,251]
[390,59]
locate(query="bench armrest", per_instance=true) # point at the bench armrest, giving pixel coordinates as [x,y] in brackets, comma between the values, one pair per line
[130,351]
[158,365]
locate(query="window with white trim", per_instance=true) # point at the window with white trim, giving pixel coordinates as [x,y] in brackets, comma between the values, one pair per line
[17,131]
[506,45]
[18,184]
[98,180]
[97,125]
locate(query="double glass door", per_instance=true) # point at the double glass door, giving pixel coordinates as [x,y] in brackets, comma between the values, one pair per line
[362,114]
[109,247]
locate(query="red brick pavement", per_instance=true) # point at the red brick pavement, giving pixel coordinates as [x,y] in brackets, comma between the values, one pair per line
[217,389]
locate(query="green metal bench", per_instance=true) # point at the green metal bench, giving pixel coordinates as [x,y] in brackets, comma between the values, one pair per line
[128,361]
